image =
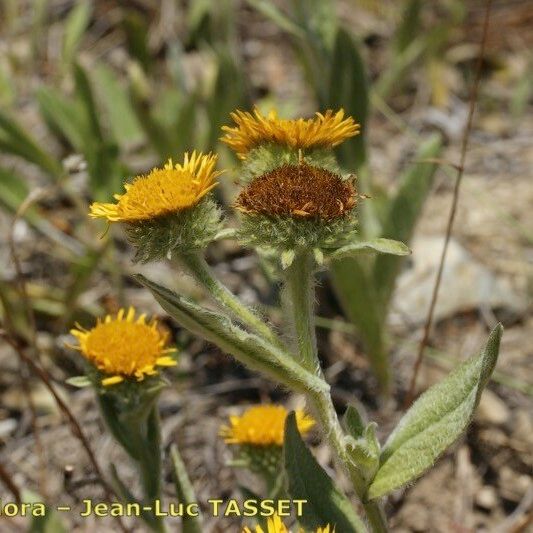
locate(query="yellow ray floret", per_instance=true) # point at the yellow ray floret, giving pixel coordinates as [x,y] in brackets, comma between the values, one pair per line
[253,129]
[163,191]
[275,525]
[123,347]
[262,425]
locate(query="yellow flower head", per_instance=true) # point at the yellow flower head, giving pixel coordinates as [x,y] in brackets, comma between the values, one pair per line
[324,130]
[163,191]
[262,425]
[123,346]
[275,525]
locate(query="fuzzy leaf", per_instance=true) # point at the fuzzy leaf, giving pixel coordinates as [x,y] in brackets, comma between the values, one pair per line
[353,422]
[308,481]
[247,348]
[435,421]
[382,246]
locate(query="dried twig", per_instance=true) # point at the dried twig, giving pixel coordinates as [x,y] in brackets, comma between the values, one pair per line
[6,478]
[455,200]
[74,425]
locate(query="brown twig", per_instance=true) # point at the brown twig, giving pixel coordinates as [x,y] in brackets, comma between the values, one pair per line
[453,210]
[74,425]
[6,478]
[30,317]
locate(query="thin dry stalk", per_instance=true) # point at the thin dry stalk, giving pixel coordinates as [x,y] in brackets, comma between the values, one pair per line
[7,480]
[455,200]
[74,425]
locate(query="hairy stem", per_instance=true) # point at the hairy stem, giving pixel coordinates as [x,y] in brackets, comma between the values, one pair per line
[299,294]
[327,417]
[299,298]
[197,266]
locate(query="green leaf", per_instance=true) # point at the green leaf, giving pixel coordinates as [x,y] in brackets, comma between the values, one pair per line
[435,421]
[49,523]
[382,246]
[308,481]
[15,140]
[353,422]
[270,11]
[247,348]
[63,117]
[77,21]
[357,295]
[13,191]
[404,211]
[348,89]
[409,27]
[115,99]
[184,492]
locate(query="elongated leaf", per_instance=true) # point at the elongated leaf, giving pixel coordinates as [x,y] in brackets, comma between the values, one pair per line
[308,481]
[348,89]
[435,421]
[357,295]
[13,191]
[270,11]
[409,26]
[382,246]
[123,122]
[75,26]
[49,523]
[184,492]
[15,140]
[404,212]
[247,348]
[63,117]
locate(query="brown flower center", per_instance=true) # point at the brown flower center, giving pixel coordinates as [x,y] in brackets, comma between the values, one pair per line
[298,191]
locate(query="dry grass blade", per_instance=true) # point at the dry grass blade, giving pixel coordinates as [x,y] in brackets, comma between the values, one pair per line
[455,200]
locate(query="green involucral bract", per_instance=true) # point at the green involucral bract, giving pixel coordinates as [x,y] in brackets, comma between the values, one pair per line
[181,232]
[285,233]
[267,157]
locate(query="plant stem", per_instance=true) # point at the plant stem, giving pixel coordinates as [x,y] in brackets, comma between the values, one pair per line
[201,272]
[299,284]
[327,416]
[299,298]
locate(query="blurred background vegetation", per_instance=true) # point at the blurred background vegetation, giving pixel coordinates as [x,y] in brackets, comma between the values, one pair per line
[94,92]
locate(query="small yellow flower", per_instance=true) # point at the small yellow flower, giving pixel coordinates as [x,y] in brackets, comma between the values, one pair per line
[163,191]
[123,347]
[275,525]
[324,130]
[262,425]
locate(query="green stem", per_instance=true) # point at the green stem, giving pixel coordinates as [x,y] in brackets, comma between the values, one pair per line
[201,272]
[299,298]
[299,290]
[327,416]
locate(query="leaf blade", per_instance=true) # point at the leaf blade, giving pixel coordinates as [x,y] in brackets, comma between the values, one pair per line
[308,481]
[435,421]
